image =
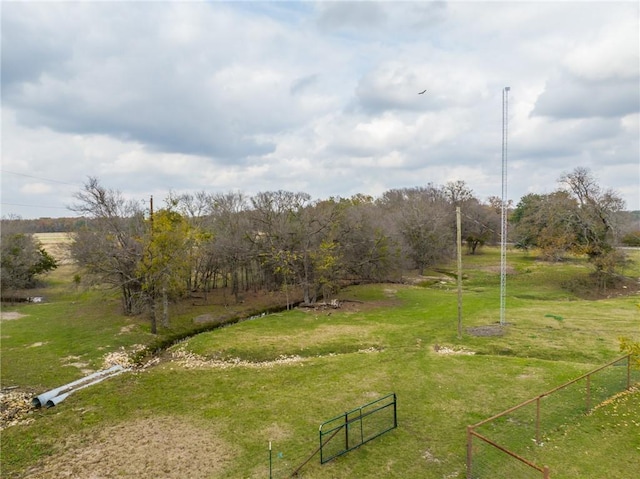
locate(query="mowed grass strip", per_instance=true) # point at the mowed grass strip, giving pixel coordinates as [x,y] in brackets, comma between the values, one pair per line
[385,339]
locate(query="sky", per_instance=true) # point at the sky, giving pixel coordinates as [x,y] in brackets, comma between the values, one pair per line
[315,97]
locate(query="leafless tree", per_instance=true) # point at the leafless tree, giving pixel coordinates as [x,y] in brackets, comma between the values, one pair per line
[109,246]
[425,222]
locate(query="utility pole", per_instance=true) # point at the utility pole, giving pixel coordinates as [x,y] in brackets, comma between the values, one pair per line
[152,291]
[459,244]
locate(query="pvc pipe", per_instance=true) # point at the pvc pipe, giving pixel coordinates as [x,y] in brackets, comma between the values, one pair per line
[58,399]
[43,398]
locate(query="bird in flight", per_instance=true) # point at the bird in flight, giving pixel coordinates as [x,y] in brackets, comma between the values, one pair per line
[422,92]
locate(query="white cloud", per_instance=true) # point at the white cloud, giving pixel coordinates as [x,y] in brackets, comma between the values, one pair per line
[317,97]
[612,53]
[36,188]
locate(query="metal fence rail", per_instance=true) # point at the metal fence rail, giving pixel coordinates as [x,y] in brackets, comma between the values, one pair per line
[354,428]
[501,443]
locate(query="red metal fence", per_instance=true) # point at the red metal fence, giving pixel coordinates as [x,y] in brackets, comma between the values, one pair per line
[498,446]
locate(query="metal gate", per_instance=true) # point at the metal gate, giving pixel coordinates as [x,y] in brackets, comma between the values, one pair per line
[352,429]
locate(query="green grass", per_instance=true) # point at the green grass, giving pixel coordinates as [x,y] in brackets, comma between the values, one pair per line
[70,331]
[615,423]
[349,357]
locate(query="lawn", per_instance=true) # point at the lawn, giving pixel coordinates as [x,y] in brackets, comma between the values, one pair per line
[209,405]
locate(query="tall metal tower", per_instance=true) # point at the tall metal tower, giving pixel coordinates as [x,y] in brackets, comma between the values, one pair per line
[503,207]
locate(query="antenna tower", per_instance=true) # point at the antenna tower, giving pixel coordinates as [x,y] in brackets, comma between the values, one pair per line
[503,206]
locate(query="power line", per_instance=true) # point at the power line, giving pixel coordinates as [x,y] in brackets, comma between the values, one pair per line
[35,206]
[40,178]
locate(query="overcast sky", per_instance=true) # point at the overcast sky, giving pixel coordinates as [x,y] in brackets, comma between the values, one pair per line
[318,97]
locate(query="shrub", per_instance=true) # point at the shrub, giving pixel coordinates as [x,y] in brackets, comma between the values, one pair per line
[631,239]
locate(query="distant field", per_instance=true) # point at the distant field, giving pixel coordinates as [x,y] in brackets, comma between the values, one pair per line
[56,244]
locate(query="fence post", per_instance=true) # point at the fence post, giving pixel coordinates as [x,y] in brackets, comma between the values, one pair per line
[546,472]
[469,451]
[395,411]
[538,420]
[588,392]
[346,431]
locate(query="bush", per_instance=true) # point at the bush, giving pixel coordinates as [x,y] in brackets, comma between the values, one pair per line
[628,346]
[631,239]
[23,258]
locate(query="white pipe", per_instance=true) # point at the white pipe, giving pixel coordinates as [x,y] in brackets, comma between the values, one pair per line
[55,400]
[43,398]
[58,399]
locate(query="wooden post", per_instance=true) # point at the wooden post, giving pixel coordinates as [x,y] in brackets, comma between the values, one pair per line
[469,452]
[538,421]
[459,243]
[152,292]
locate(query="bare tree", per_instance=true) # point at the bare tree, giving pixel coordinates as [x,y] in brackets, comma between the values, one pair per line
[595,222]
[109,247]
[425,222]
[580,218]
[195,208]
[230,231]
[596,212]
[288,231]
[367,248]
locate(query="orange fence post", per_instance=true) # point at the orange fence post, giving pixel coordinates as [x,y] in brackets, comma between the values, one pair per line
[469,451]
[538,420]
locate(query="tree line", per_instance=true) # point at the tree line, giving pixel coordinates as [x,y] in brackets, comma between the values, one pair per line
[274,240]
[282,240]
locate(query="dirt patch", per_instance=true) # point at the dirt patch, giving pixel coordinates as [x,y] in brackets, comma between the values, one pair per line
[488,330]
[497,269]
[10,315]
[76,362]
[204,318]
[449,350]
[587,288]
[429,457]
[350,306]
[190,360]
[141,449]
[277,432]
[127,329]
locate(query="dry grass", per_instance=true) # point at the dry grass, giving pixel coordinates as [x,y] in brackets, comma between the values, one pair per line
[10,315]
[142,449]
[57,245]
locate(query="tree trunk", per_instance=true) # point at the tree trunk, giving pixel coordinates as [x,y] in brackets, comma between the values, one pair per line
[152,311]
[165,308]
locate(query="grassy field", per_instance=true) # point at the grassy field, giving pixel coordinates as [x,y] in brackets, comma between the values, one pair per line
[210,405]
